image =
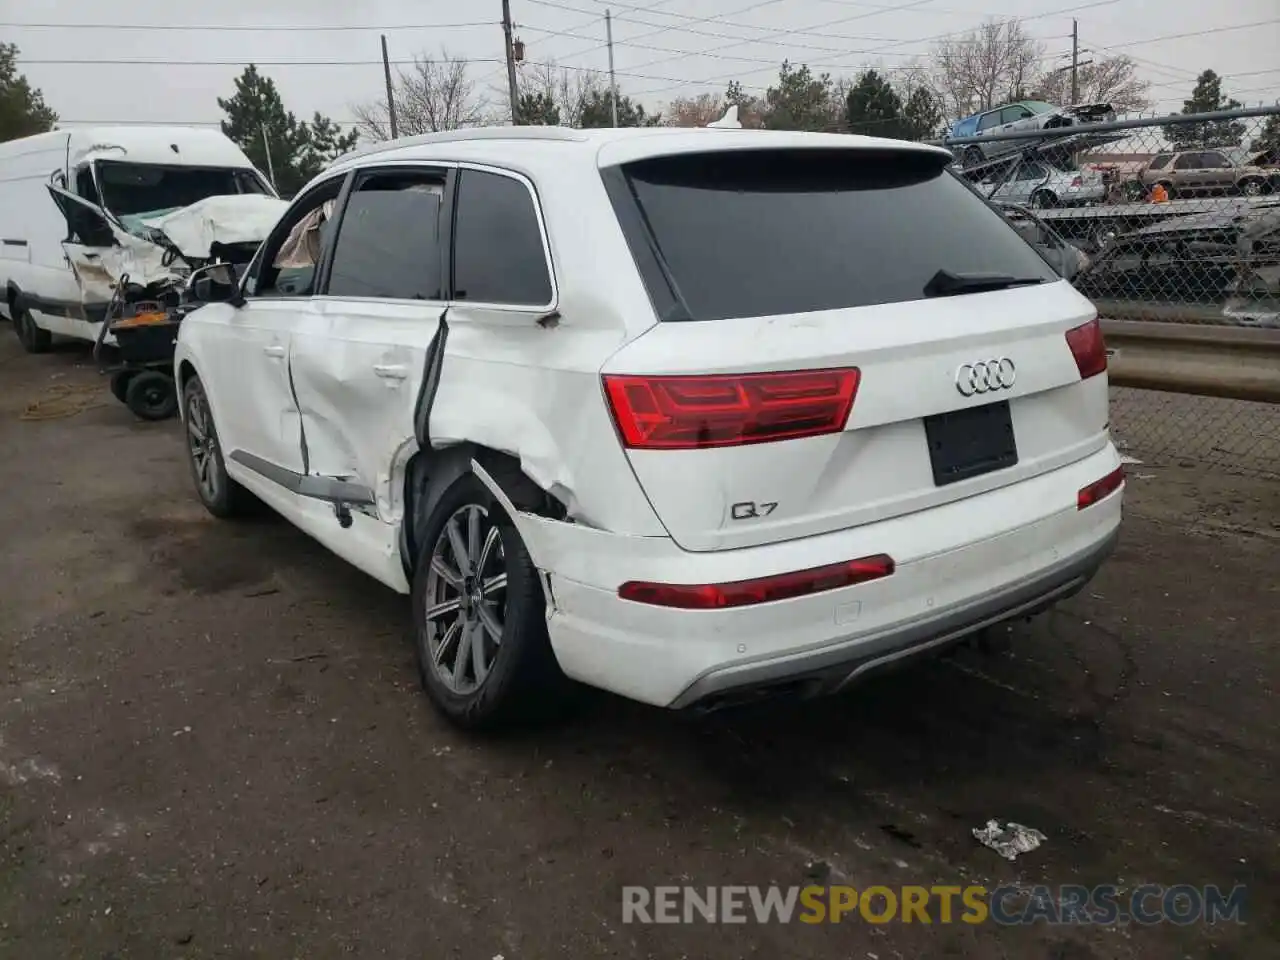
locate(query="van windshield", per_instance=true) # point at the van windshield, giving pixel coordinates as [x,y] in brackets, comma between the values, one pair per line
[138,191]
[750,233]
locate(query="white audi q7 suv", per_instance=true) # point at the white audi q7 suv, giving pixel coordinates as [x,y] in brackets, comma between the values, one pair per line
[693,416]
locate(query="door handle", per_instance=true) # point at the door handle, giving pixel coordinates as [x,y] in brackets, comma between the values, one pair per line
[390,371]
[275,350]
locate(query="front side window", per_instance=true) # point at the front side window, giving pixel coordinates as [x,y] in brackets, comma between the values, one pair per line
[1160,161]
[285,266]
[1014,114]
[754,233]
[388,243]
[1215,161]
[498,253]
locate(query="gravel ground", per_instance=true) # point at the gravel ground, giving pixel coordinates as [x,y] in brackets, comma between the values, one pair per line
[212,744]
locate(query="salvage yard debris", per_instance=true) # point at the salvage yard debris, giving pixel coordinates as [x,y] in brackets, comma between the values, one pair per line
[1010,840]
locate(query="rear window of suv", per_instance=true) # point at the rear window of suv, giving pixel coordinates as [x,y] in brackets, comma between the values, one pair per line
[756,233]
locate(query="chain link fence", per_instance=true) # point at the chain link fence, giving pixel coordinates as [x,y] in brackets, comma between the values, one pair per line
[1175,220]
[1170,220]
[1209,433]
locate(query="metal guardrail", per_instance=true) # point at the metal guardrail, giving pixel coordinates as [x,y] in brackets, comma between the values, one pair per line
[1231,363]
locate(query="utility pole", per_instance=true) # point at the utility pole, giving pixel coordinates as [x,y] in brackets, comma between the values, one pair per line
[1075,62]
[391,95]
[613,79]
[511,63]
[266,148]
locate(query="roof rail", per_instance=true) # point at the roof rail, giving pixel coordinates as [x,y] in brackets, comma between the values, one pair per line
[468,134]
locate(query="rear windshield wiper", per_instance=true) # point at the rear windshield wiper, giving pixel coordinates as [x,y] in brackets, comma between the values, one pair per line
[946,284]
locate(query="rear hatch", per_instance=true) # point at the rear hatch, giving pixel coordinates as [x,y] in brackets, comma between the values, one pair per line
[845,336]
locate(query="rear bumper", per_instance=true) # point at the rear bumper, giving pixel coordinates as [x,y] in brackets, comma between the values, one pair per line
[960,567]
[828,670]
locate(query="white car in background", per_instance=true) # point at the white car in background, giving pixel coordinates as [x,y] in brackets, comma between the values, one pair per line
[1040,185]
[694,416]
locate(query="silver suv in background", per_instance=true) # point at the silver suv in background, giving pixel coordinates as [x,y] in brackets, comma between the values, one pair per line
[1202,172]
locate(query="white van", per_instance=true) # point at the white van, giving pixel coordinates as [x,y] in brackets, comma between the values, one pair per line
[81,209]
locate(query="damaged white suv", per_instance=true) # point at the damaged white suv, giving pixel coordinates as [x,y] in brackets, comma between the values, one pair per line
[690,415]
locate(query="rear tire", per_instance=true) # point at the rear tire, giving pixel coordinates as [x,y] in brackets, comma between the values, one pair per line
[120,383]
[1043,200]
[479,612]
[152,396]
[1252,187]
[221,496]
[32,338]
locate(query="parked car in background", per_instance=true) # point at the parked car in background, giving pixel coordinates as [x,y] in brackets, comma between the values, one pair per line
[1039,184]
[1227,257]
[1200,173]
[1065,257]
[692,416]
[1017,117]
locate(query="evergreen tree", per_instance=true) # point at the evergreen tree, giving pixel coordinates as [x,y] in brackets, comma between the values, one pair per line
[259,123]
[22,109]
[873,107]
[1207,96]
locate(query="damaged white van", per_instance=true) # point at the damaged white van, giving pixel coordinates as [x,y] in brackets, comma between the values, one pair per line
[82,209]
[695,416]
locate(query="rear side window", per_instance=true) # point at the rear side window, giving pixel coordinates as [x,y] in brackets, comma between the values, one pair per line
[1160,161]
[766,232]
[389,239]
[498,255]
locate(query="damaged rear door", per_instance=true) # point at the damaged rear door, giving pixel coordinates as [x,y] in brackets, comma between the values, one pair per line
[358,361]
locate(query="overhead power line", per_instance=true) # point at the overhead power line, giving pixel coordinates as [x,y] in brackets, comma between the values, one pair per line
[249,28]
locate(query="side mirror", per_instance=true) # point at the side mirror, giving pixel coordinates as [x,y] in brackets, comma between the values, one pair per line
[215,283]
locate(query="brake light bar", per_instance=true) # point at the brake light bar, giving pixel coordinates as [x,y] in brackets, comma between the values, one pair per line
[1088,348]
[741,593]
[726,410]
[1100,489]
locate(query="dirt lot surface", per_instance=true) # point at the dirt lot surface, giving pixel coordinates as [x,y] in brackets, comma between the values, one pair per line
[212,745]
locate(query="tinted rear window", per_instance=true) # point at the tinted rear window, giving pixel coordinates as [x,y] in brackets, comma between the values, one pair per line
[760,233]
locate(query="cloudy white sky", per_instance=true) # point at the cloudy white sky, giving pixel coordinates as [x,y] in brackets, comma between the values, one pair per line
[111,61]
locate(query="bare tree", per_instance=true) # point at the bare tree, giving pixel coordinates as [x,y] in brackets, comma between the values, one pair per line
[991,65]
[434,94]
[569,91]
[1114,80]
[695,111]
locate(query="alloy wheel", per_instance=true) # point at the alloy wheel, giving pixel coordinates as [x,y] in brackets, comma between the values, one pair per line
[203,444]
[465,597]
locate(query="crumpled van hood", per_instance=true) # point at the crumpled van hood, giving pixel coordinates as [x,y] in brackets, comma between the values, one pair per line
[237,218]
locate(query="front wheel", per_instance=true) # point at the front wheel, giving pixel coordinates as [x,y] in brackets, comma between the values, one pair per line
[1251,188]
[1043,199]
[221,496]
[479,613]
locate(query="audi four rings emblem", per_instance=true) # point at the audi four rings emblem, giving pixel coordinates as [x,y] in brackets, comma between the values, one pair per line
[985,376]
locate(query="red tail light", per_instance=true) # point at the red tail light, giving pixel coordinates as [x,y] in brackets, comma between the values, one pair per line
[1100,489]
[684,413]
[1087,347]
[715,596]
